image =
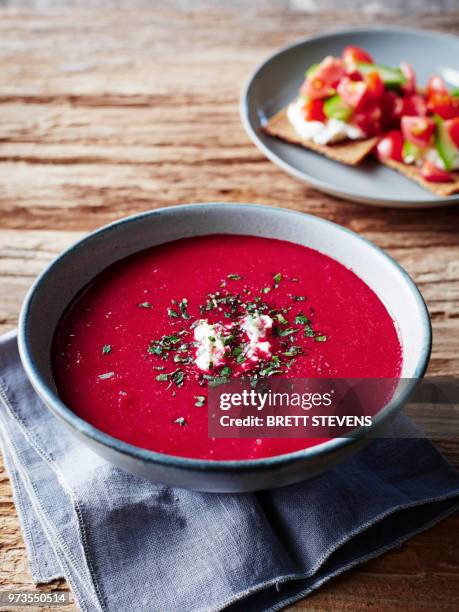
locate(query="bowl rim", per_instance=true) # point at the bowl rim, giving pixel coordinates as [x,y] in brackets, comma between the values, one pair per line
[427,201]
[60,409]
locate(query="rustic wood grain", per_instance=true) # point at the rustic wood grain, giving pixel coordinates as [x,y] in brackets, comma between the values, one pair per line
[109,108]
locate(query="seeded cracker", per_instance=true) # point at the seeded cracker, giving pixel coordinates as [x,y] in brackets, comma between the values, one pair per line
[411,172]
[347,152]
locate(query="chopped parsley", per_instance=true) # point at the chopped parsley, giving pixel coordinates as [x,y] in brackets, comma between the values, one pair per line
[177,377]
[285,332]
[106,349]
[301,319]
[200,400]
[293,351]
[145,305]
[106,375]
[180,421]
[223,305]
[183,308]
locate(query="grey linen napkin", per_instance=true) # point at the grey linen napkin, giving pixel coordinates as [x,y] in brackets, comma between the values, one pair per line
[125,544]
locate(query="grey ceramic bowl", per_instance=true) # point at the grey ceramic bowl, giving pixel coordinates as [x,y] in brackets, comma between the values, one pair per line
[72,270]
[277,80]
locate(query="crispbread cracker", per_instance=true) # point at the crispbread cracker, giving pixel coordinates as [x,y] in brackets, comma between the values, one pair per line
[411,172]
[349,152]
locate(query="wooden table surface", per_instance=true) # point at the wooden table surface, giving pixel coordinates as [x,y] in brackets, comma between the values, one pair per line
[122,108]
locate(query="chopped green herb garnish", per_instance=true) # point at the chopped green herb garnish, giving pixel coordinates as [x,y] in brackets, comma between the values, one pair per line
[226,372]
[212,339]
[177,377]
[162,377]
[301,319]
[180,421]
[277,279]
[234,276]
[293,351]
[180,359]
[266,289]
[280,317]
[107,348]
[155,349]
[286,332]
[172,313]
[106,375]
[320,338]
[183,306]
[200,400]
[215,380]
[145,305]
[299,298]
[308,331]
[172,339]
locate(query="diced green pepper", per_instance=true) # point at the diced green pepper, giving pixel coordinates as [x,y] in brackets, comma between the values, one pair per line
[446,148]
[391,77]
[336,108]
[410,152]
[310,71]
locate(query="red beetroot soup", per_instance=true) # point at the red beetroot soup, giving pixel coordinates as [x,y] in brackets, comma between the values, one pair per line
[134,352]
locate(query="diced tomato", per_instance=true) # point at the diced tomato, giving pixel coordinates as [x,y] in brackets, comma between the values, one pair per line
[444,105]
[436,85]
[408,72]
[368,118]
[375,85]
[324,79]
[352,55]
[414,105]
[314,110]
[418,130]
[352,92]
[390,146]
[452,127]
[392,107]
[431,173]
[353,73]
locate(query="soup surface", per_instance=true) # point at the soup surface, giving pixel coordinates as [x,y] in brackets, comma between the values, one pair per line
[135,351]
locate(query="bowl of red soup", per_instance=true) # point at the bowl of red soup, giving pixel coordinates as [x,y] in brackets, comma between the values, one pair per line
[124,334]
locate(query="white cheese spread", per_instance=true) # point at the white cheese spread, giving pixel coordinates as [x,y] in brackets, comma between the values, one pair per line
[256,327]
[211,350]
[321,132]
[210,347]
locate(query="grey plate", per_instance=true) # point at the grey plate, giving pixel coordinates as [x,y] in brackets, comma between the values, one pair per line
[277,80]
